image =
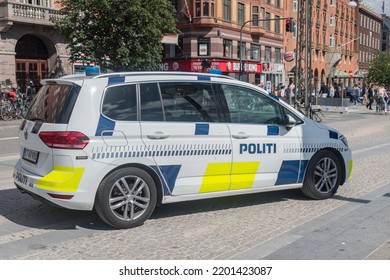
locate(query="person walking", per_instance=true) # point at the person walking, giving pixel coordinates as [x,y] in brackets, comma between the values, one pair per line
[331,91]
[356,94]
[370,96]
[324,90]
[381,100]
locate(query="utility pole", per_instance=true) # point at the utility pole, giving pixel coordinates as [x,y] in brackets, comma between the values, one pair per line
[303,71]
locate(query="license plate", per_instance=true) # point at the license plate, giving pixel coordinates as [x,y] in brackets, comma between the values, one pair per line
[21,178]
[30,155]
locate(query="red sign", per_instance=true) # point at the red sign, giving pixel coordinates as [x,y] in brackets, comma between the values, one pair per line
[350,73]
[230,66]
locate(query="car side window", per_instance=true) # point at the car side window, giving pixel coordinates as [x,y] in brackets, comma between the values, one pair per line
[189,102]
[151,106]
[248,106]
[120,103]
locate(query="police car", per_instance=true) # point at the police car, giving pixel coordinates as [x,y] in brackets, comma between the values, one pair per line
[124,143]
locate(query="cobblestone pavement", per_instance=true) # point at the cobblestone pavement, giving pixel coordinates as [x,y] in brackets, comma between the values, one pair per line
[208,229]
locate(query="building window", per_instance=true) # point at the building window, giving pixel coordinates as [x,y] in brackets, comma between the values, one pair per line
[267,54]
[241,15]
[268,1]
[43,3]
[295,6]
[331,40]
[277,3]
[243,50]
[227,48]
[197,9]
[226,10]
[255,15]
[331,20]
[278,55]
[203,46]
[277,24]
[333,2]
[262,16]
[204,8]
[255,52]
[267,21]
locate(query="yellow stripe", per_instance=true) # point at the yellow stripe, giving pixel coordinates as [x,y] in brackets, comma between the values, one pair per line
[62,179]
[350,169]
[217,176]
[243,174]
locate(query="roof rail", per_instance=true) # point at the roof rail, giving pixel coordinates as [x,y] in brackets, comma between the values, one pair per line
[167,73]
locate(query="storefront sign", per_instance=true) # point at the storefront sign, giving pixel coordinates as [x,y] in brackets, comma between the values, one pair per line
[289,56]
[223,65]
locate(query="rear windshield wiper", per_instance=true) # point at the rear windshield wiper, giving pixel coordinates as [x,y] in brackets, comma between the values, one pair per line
[36,119]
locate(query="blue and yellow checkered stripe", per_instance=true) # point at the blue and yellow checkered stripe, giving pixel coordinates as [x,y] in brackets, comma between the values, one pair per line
[162,151]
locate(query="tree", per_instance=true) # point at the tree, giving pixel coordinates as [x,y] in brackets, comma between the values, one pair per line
[120,35]
[379,71]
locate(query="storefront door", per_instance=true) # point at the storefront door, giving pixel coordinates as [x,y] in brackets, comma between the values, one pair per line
[30,70]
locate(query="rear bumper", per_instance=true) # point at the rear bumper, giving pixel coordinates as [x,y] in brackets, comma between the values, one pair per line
[59,187]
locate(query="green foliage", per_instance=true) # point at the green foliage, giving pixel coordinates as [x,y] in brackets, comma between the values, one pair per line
[126,31]
[379,72]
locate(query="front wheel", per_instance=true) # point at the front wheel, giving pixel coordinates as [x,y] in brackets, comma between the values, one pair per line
[323,175]
[126,198]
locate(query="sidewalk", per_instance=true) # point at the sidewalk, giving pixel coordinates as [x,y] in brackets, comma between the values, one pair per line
[358,109]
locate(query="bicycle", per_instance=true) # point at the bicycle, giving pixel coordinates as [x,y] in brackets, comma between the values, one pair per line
[314,114]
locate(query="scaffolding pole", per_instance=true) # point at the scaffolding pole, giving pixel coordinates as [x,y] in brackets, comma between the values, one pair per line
[303,69]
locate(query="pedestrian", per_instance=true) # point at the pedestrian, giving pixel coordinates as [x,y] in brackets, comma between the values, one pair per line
[364,93]
[31,91]
[336,91]
[381,98]
[370,96]
[282,91]
[324,90]
[331,91]
[356,94]
[11,95]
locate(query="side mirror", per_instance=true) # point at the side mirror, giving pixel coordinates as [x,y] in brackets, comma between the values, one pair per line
[290,122]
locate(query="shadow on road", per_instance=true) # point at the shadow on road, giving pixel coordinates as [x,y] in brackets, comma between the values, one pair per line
[23,210]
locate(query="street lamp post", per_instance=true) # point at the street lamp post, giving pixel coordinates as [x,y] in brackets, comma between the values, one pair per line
[242,27]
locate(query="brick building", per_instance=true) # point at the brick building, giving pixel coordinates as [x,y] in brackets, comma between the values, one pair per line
[211,29]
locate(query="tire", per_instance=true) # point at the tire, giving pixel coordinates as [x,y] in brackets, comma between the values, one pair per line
[126,198]
[6,112]
[318,116]
[323,175]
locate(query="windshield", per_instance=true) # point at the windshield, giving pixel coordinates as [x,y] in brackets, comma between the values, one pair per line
[53,103]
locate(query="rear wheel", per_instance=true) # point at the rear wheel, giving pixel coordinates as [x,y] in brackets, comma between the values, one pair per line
[7,112]
[323,175]
[126,198]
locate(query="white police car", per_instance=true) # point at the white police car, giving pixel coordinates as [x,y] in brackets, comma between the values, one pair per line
[122,143]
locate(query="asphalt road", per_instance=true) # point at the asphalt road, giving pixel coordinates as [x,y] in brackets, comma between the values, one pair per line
[354,224]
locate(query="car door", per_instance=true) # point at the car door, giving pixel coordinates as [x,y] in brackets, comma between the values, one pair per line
[181,128]
[265,152]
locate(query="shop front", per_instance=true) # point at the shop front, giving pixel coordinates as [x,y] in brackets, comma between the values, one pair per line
[251,70]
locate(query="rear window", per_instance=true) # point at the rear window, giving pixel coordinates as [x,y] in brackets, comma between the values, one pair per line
[53,103]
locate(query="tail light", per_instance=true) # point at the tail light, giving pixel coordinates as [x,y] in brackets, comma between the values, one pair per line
[64,140]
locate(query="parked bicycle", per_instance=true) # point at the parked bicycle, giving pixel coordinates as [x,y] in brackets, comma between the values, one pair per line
[313,113]
[12,107]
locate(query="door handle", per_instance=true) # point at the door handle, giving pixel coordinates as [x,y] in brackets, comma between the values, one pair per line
[240,135]
[157,135]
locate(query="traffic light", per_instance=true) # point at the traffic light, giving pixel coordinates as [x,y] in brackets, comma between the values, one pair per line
[290,25]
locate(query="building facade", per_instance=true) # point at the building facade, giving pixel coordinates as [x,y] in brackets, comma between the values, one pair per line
[333,41]
[30,49]
[212,30]
[370,37]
